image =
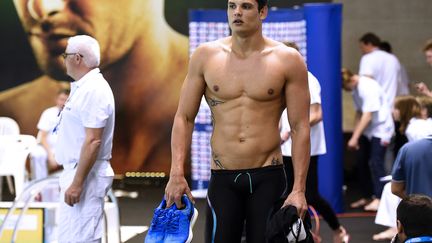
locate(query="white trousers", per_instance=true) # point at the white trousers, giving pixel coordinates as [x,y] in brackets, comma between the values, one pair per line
[386,214]
[39,162]
[39,168]
[83,222]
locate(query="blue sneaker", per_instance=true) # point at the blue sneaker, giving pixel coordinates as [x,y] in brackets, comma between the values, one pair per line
[180,223]
[156,233]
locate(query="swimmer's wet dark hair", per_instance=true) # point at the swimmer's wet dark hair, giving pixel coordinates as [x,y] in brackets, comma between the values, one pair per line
[261,4]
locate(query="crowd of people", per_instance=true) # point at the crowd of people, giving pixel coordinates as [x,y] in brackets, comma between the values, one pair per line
[388,117]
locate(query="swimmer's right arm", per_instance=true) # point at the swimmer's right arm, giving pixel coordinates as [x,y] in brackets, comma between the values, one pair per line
[190,97]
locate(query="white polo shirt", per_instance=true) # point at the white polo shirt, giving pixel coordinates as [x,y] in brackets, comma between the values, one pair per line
[317,138]
[384,68]
[368,96]
[48,120]
[90,105]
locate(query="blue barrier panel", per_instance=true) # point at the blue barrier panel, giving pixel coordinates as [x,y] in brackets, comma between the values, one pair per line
[323,30]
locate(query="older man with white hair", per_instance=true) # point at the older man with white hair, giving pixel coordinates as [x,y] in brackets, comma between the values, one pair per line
[85,134]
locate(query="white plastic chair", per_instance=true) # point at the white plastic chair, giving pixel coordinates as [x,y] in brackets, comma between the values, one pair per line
[8,126]
[14,150]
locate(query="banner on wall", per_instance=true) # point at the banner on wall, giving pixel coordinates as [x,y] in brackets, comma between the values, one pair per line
[316,29]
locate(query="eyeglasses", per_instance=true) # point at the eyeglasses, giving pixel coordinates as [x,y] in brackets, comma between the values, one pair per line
[65,54]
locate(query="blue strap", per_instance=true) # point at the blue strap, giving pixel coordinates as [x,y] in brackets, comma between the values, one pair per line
[214,220]
[250,180]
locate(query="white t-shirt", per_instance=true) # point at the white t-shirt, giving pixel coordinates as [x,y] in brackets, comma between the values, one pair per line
[403,85]
[90,105]
[368,96]
[47,122]
[418,129]
[385,69]
[317,137]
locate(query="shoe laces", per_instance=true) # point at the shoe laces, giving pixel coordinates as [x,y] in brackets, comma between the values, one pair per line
[173,221]
[159,220]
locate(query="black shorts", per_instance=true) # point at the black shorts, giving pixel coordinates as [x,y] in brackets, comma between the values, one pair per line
[238,196]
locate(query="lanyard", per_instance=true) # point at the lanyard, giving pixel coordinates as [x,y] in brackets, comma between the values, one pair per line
[419,239]
[60,114]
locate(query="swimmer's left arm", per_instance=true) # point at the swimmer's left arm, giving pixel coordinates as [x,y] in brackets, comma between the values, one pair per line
[298,106]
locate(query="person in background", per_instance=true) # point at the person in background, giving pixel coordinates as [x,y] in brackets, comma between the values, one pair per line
[373,130]
[42,160]
[411,174]
[42,156]
[403,87]
[426,106]
[413,124]
[427,49]
[411,170]
[379,65]
[85,134]
[414,219]
[422,87]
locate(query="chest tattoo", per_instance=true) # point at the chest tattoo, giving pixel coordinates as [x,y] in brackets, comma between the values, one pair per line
[214,102]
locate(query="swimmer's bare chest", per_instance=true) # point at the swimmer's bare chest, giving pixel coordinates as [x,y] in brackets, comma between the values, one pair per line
[260,77]
[245,96]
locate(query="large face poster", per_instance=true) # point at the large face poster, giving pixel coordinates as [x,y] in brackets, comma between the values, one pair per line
[144,57]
